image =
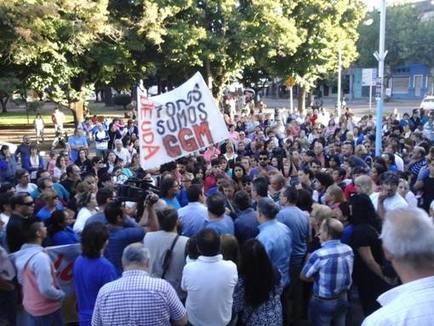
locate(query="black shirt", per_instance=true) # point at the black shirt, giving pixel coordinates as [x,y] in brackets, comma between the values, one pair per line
[15,232]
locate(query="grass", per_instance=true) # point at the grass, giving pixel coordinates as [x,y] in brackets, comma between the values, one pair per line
[18,116]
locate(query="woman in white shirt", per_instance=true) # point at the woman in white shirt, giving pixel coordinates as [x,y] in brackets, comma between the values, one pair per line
[87,203]
[406,193]
[60,167]
[101,140]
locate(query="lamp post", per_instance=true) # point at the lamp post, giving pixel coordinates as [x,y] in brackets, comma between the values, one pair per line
[380,56]
[339,103]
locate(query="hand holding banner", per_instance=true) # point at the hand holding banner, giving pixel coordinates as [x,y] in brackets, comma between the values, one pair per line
[178,123]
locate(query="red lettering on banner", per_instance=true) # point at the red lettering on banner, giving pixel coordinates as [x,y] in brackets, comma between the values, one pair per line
[203,129]
[170,143]
[58,261]
[186,138]
[64,274]
[147,145]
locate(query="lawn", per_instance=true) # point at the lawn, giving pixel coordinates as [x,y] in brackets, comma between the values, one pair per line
[18,116]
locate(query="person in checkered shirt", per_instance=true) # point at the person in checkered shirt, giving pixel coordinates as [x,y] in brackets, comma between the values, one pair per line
[330,269]
[137,298]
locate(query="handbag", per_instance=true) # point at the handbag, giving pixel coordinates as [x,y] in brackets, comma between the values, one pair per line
[168,257]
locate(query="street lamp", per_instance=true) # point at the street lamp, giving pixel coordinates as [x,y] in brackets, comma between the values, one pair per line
[339,103]
[380,56]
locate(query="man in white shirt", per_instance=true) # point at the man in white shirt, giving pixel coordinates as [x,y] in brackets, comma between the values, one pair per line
[122,152]
[23,182]
[209,282]
[408,243]
[388,199]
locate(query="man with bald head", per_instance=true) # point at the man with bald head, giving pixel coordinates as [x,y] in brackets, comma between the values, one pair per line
[408,243]
[330,269]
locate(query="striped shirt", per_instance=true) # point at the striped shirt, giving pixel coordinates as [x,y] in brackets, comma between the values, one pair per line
[331,267]
[137,299]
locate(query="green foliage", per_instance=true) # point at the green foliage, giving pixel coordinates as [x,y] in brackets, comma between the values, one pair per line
[64,49]
[409,37]
[321,29]
[44,42]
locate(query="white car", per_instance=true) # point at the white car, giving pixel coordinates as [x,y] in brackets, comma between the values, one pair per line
[427,103]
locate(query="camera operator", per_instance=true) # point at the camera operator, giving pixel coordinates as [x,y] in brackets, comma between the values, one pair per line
[121,235]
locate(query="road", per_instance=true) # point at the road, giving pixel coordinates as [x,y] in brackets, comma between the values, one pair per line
[359,107]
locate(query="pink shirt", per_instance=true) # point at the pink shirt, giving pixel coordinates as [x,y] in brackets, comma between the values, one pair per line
[33,301]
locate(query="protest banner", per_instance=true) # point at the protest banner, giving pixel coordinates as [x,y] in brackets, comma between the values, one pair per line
[63,258]
[178,123]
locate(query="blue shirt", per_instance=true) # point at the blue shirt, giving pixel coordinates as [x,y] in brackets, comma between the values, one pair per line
[298,223]
[174,203]
[98,217]
[346,235]
[246,225]
[182,197]
[44,213]
[75,140]
[276,238]
[192,218]
[222,226]
[120,238]
[331,267]
[64,237]
[89,276]
[58,188]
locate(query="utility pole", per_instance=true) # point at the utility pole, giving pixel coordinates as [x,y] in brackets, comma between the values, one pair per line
[380,56]
[339,103]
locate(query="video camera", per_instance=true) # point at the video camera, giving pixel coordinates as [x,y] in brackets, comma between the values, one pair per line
[137,190]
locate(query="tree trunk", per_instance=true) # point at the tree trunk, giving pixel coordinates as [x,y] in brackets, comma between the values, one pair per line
[209,76]
[108,96]
[309,98]
[301,99]
[77,110]
[4,102]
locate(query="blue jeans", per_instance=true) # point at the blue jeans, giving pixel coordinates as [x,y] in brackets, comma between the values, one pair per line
[328,312]
[53,319]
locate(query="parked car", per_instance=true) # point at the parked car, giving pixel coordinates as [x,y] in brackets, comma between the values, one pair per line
[427,103]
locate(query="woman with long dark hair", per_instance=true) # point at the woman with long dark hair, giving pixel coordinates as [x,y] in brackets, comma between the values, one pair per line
[169,188]
[83,161]
[60,230]
[368,254]
[238,175]
[91,269]
[257,293]
[33,162]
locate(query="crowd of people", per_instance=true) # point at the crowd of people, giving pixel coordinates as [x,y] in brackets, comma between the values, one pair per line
[293,219]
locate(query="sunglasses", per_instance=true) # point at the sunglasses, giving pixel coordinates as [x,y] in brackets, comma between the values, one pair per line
[29,203]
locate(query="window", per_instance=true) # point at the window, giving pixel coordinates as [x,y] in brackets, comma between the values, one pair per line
[400,85]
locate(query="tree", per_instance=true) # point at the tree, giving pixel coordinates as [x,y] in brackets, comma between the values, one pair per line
[323,27]
[221,38]
[46,40]
[409,37]
[8,86]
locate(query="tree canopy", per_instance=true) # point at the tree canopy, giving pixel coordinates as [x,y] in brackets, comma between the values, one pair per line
[409,37]
[63,49]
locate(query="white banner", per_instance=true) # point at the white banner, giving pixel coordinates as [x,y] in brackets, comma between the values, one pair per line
[178,123]
[63,258]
